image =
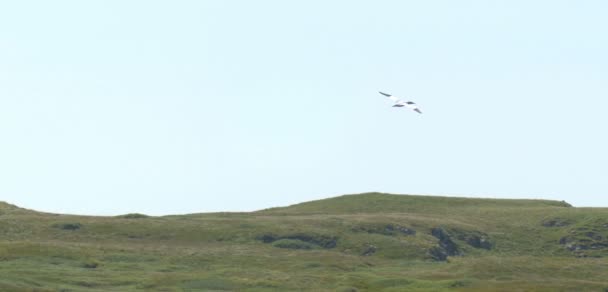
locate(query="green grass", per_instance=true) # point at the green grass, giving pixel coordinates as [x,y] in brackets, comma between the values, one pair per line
[350,243]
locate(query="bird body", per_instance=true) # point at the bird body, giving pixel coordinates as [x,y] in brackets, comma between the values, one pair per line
[402,103]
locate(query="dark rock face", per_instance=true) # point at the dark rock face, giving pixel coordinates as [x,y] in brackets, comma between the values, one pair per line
[438,253]
[320,240]
[445,241]
[556,222]
[447,247]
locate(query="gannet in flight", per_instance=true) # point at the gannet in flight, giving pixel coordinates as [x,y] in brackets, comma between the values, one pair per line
[401,103]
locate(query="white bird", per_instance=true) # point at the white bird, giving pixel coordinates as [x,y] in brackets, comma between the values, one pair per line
[401,103]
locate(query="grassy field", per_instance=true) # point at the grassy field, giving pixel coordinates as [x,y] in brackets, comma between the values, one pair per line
[365,242]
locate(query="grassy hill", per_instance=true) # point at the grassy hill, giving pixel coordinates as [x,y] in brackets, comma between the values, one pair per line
[389,203]
[364,242]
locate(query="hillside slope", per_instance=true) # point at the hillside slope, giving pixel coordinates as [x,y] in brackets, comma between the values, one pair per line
[375,242]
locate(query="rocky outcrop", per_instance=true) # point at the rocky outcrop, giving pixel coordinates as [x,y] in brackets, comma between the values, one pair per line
[437,253]
[446,246]
[445,241]
[401,229]
[585,242]
[556,222]
[369,249]
[475,239]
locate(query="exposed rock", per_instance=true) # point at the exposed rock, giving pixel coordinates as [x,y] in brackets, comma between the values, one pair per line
[479,242]
[475,239]
[402,229]
[585,243]
[438,253]
[369,249]
[445,241]
[594,235]
[556,222]
[446,246]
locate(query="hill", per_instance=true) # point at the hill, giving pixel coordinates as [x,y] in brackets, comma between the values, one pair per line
[365,242]
[383,203]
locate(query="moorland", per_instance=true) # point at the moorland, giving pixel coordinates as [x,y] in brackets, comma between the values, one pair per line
[362,242]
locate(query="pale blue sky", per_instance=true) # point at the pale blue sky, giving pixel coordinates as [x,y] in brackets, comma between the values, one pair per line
[165,107]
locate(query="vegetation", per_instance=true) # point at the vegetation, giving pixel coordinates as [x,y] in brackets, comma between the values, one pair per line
[365,242]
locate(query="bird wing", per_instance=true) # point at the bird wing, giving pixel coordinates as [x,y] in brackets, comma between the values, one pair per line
[399,102]
[391,97]
[413,106]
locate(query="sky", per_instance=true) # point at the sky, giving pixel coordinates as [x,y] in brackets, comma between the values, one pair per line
[172,107]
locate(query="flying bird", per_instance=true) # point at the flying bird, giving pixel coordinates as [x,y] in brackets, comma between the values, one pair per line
[402,103]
